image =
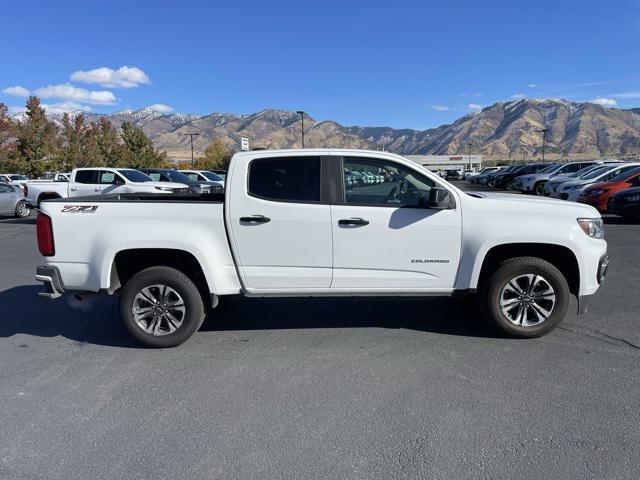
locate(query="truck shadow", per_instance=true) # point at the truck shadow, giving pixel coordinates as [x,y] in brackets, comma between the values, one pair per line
[95,320]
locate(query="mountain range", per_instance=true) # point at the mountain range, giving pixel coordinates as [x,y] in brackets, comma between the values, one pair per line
[502,130]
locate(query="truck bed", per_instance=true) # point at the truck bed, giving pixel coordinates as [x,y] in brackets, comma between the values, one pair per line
[144,197]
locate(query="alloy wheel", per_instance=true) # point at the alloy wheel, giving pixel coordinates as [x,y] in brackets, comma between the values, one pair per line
[527,300]
[158,310]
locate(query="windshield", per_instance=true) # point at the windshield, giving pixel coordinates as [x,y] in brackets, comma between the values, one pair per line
[595,173]
[135,176]
[586,171]
[548,169]
[176,176]
[212,176]
[625,175]
[17,177]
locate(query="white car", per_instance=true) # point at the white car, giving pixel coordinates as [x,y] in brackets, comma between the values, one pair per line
[534,183]
[287,227]
[13,179]
[12,201]
[100,181]
[469,175]
[204,176]
[572,190]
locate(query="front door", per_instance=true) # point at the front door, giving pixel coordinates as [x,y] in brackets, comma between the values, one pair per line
[7,199]
[385,236]
[280,224]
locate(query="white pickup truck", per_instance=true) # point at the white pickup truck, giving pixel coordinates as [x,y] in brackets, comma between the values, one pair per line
[98,181]
[289,225]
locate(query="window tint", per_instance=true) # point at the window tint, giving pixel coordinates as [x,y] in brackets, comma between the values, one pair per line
[155,176]
[5,189]
[621,177]
[134,175]
[292,179]
[212,176]
[384,183]
[192,176]
[86,176]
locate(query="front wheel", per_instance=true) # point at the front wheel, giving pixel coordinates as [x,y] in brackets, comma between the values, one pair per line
[22,209]
[161,307]
[526,297]
[539,189]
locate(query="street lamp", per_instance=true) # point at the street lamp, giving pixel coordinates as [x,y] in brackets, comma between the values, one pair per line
[543,131]
[301,113]
[469,152]
[191,135]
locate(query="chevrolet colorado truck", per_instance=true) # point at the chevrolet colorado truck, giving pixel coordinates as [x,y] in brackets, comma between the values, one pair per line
[289,225]
[99,181]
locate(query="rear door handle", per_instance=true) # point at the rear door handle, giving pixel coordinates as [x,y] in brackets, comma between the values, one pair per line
[353,221]
[255,219]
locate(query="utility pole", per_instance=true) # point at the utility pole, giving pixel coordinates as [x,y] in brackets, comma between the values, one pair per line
[544,140]
[191,135]
[469,152]
[301,113]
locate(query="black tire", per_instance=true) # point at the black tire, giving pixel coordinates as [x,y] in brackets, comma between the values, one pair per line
[508,184]
[22,209]
[192,299]
[491,291]
[538,188]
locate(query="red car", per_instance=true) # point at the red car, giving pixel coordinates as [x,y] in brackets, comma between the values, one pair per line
[598,194]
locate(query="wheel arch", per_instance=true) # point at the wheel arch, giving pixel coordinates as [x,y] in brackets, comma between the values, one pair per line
[560,256]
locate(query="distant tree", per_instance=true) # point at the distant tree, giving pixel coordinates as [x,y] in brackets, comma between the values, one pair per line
[9,158]
[216,156]
[37,140]
[78,149]
[103,138]
[139,149]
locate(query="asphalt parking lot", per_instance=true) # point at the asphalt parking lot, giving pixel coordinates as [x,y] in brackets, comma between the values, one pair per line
[326,388]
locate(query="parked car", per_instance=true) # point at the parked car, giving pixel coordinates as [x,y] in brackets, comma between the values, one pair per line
[470,175]
[13,179]
[485,176]
[571,190]
[12,201]
[221,173]
[452,175]
[171,175]
[279,232]
[535,183]
[504,179]
[100,181]
[204,176]
[491,179]
[551,187]
[598,194]
[625,203]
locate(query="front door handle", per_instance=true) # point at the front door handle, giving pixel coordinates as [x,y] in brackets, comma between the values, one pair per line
[74,189]
[255,219]
[353,221]
[97,189]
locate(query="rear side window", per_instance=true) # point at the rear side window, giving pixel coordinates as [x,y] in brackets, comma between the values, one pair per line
[87,176]
[289,179]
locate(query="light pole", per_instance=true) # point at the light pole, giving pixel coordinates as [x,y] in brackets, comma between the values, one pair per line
[469,152]
[544,140]
[301,113]
[191,135]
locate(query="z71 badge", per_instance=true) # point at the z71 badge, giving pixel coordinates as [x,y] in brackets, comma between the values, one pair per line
[79,209]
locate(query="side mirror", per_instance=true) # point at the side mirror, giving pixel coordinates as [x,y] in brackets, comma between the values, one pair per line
[440,199]
[117,181]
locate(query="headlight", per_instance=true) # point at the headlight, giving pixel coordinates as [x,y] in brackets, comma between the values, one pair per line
[594,227]
[165,189]
[632,198]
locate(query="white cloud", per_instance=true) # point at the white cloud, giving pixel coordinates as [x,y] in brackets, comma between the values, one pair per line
[17,91]
[161,108]
[605,102]
[475,106]
[124,77]
[62,107]
[439,108]
[16,109]
[533,85]
[74,94]
[477,94]
[517,96]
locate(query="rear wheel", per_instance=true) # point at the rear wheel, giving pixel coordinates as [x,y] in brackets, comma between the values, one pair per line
[539,188]
[526,297]
[22,209]
[161,307]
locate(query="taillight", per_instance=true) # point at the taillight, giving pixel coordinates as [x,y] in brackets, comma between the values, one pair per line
[44,231]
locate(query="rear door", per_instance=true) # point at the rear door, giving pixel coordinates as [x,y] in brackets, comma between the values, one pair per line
[84,183]
[8,197]
[280,223]
[385,236]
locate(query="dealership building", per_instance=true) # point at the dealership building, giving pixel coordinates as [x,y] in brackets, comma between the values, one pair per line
[447,162]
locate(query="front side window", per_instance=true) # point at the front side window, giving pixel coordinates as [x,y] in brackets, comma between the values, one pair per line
[107,177]
[155,176]
[384,183]
[6,189]
[286,179]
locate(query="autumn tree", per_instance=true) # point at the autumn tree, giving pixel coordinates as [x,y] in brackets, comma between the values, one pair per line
[9,160]
[216,156]
[108,149]
[37,139]
[139,149]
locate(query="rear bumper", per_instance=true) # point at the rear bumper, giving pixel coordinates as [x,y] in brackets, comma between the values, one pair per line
[50,277]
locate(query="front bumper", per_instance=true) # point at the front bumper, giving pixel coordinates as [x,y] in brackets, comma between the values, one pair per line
[50,277]
[584,301]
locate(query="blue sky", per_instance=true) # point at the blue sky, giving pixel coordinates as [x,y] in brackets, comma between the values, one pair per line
[400,64]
